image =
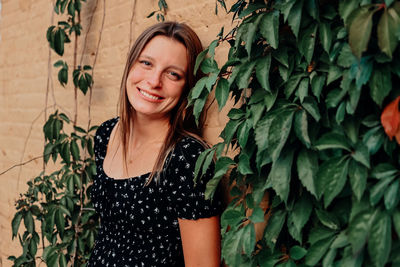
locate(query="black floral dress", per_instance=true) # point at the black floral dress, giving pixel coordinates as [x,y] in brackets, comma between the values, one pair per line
[139,224]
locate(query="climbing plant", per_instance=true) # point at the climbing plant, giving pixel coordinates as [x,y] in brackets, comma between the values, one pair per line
[59,221]
[309,80]
[161,12]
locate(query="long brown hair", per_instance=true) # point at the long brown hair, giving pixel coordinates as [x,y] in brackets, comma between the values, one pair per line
[182,121]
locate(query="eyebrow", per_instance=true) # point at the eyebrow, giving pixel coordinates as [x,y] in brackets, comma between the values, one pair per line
[171,66]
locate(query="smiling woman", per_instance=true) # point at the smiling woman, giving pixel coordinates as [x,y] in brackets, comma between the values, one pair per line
[156,81]
[151,211]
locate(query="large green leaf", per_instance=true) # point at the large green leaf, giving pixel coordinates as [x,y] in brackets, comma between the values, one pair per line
[307,167]
[331,178]
[279,131]
[200,163]
[16,221]
[294,18]
[243,133]
[380,240]
[358,229]
[317,84]
[231,246]
[312,8]
[318,233]
[285,7]
[297,253]
[361,154]
[248,239]
[59,39]
[269,28]
[222,92]
[362,71]
[74,150]
[380,84]
[274,227]
[374,138]
[231,217]
[346,57]
[318,250]
[384,170]
[261,132]
[198,107]
[302,91]
[360,29]
[346,7]
[244,164]
[280,174]
[307,42]
[245,72]
[333,141]
[354,97]
[334,97]
[262,71]
[221,167]
[62,260]
[358,178]
[209,65]
[388,25]
[325,36]
[199,60]
[311,106]
[301,127]
[299,216]
[392,196]
[292,84]
[379,189]
[29,222]
[251,33]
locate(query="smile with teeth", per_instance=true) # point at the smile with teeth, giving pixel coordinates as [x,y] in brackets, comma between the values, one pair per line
[149,95]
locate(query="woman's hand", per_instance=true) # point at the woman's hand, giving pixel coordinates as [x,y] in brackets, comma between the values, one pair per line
[201,242]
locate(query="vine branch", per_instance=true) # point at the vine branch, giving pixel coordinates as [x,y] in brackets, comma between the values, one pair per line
[95,60]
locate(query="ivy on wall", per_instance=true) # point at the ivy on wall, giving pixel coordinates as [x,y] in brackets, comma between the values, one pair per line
[60,224]
[310,79]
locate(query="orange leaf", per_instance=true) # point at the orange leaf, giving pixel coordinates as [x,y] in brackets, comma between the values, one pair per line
[390,119]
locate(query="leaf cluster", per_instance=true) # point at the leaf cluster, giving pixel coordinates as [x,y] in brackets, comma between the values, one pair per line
[309,79]
[161,12]
[59,35]
[59,202]
[59,221]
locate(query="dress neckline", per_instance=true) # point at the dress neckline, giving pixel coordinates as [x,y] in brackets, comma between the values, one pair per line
[106,141]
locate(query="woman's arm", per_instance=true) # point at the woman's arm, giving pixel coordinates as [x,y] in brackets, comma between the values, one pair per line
[201,242]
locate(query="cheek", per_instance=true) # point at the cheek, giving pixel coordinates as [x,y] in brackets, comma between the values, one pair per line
[133,75]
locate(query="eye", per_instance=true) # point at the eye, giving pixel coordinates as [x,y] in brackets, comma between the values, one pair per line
[174,75]
[145,62]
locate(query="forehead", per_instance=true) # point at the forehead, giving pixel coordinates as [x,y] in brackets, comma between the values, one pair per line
[166,50]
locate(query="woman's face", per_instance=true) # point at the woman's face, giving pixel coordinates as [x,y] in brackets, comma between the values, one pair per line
[158,77]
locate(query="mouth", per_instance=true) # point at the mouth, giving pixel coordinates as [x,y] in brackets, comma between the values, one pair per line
[150,96]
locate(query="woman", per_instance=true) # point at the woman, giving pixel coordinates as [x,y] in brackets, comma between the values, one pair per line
[151,212]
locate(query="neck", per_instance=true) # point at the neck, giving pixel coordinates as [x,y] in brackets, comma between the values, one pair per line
[145,130]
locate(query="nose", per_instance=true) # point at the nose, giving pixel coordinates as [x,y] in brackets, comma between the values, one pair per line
[154,79]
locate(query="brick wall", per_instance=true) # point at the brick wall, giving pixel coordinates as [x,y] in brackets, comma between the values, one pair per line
[24,58]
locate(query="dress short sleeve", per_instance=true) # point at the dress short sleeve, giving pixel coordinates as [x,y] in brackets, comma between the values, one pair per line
[188,199]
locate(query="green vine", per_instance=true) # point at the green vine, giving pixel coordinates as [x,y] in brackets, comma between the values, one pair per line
[59,201]
[310,78]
